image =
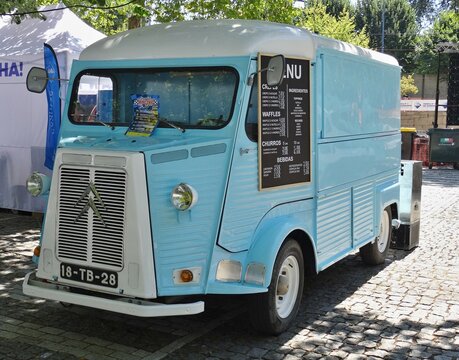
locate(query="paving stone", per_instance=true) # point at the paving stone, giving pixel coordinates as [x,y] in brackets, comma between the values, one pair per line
[257,353]
[339,354]
[141,353]
[298,352]
[356,357]
[75,343]
[292,357]
[97,341]
[377,353]
[123,356]
[313,356]
[273,355]
[284,349]
[8,334]
[96,357]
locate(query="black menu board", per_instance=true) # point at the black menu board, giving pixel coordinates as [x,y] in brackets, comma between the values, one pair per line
[284,118]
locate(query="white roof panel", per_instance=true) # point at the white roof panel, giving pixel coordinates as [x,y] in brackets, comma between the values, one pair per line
[211,38]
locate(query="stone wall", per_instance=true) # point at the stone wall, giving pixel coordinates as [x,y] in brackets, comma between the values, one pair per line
[422,120]
[427,86]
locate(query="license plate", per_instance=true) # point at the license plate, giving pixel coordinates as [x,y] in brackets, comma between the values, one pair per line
[89,275]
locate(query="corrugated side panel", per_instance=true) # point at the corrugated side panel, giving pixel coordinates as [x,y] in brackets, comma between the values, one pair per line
[388,179]
[363,211]
[333,224]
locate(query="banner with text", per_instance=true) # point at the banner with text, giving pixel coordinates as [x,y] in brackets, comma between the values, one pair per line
[54,105]
[422,105]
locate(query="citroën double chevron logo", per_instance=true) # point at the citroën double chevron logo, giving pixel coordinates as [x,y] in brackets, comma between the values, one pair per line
[92,194]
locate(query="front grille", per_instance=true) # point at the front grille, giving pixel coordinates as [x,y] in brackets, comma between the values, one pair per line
[91,216]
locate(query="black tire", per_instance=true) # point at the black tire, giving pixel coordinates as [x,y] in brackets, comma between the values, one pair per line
[375,253]
[272,312]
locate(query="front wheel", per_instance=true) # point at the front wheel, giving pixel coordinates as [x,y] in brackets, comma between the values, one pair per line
[375,253]
[273,311]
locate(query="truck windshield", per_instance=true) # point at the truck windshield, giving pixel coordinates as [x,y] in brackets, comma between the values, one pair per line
[190,98]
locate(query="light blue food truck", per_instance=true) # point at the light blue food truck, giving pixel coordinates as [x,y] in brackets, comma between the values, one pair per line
[217,157]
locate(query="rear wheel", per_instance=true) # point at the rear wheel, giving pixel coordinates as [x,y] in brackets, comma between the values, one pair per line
[273,311]
[375,253]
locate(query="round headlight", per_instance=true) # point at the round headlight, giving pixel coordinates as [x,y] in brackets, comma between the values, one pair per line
[37,184]
[184,197]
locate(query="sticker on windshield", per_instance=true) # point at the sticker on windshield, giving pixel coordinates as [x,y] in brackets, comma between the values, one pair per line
[145,119]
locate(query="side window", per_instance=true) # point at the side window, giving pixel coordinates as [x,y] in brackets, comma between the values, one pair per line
[251,121]
[94,100]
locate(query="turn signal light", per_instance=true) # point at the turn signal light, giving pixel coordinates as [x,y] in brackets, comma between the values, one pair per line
[37,250]
[186,276]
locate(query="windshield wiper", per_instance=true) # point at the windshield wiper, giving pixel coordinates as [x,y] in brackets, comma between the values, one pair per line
[165,121]
[105,124]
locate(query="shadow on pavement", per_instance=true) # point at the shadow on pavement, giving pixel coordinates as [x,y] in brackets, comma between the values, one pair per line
[443,177]
[325,325]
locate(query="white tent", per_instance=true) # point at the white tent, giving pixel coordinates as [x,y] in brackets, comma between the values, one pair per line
[24,115]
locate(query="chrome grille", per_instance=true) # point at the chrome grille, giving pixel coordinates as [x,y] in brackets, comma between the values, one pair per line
[85,236]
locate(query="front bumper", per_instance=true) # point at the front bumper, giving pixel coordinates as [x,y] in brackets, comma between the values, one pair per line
[36,288]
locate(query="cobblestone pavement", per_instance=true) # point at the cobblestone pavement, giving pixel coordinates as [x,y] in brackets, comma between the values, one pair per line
[405,308]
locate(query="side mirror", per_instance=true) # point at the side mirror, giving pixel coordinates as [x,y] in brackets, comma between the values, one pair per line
[276,70]
[37,79]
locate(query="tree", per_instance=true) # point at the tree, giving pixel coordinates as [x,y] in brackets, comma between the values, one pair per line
[400,28]
[428,10]
[407,86]
[281,11]
[444,29]
[316,19]
[122,14]
[334,7]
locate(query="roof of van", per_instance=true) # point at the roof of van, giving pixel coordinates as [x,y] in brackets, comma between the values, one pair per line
[212,38]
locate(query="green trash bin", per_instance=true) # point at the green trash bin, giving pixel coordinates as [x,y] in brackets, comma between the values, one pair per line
[444,146]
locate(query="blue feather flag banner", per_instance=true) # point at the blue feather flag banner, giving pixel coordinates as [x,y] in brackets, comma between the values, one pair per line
[54,105]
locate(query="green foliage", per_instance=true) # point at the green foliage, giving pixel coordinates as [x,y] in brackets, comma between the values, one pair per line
[108,21]
[18,7]
[326,17]
[400,28]
[270,10]
[334,7]
[316,19]
[407,86]
[428,10]
[445,29]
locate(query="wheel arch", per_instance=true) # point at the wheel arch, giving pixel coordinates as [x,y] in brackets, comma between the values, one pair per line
[273,233]
[394,210]
[307,248]
[387,195]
